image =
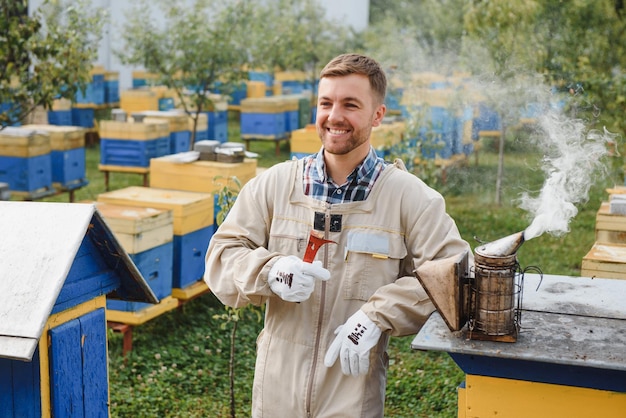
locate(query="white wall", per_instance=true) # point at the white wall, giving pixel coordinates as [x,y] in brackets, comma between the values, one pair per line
[354,12]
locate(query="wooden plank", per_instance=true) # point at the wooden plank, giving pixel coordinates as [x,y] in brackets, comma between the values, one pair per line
[190,292]
[6,386]
[137,318]
[94,366]
[26,399]
[489,396]
[66,377]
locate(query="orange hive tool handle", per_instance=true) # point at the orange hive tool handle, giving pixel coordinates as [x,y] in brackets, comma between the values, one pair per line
[315,243]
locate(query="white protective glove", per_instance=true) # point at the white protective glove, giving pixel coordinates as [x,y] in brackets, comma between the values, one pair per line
[353,343]
[293,279]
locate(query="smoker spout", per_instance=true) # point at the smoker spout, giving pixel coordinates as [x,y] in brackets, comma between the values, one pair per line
[502,247]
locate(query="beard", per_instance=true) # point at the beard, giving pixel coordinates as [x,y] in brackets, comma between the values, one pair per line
[344,145]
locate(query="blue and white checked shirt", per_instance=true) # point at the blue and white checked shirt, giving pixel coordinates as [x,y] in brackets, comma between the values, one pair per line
[317,184]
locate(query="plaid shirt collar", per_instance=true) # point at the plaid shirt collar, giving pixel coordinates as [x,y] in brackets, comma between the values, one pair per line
[360,182]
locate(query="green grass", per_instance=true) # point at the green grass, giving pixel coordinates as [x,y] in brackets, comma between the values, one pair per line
[179,364]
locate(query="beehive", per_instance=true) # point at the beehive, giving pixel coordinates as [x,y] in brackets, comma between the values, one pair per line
[179,133]
[132,144]
[263,118]
[198,176]
[305,141]
[137,100]
[67,144]
[25,159]
[138,228]
[147,235]
[387,134]
[605,261]
[193,215]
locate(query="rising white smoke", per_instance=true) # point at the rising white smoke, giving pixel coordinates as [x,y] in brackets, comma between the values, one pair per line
[573,158]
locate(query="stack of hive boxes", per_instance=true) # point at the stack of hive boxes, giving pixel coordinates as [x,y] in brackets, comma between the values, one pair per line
[387,135]
[304,141]
[218,119]
[60,113]
[192,222]
[178,123]
[133,144]
[67,154]
[112,87]
[263,118]
[138,100]
[25,160]
[607,257]
[147,235]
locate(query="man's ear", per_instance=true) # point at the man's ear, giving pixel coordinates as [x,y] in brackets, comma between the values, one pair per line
[379,115]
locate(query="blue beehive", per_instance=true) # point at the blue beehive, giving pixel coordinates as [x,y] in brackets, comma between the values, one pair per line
[60,117]
[53,347]
[487,120]
[94,93]
[67,153]
[146,234]
[192,223]
[178,125]
[111,87]
[263,118]
[83,117]
[133,144]
[25,160]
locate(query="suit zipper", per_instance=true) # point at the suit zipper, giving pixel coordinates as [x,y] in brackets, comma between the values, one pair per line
[320,316]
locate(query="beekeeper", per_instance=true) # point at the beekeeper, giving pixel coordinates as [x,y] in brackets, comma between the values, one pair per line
[322,352]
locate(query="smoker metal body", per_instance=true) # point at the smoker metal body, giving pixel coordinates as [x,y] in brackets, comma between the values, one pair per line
[480,295]
[495,291]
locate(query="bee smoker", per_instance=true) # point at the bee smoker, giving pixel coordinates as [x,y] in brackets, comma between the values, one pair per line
[495,291]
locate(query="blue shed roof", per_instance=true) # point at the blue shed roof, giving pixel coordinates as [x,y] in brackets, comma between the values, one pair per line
[38,243]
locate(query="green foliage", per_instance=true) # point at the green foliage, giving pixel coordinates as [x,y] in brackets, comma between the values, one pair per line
[295,35]
[45,56]
[200,49]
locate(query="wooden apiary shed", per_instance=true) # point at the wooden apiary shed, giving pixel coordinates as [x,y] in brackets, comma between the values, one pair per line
[61,260]
[192,215]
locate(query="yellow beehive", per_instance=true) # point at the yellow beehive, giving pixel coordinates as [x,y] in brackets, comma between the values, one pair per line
[191,211]
[387,134]
[605,261]
[112,129]
[198,176]
[255,89]
[305,140]
[23,142]
[138,229]
[150,78]
[62,138]
[272,104]
[290,76]
[177,120]
[138,100]
[610,227]
[419,96]
[61,104]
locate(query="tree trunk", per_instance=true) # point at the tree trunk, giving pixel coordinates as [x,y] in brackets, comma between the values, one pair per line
[500,166]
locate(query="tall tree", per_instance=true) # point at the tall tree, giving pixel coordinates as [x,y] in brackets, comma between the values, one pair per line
[45,56]
[200,48]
